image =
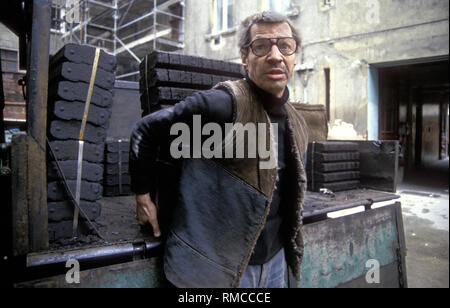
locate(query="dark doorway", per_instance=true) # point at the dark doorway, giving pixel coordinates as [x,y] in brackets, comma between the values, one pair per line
[413,108]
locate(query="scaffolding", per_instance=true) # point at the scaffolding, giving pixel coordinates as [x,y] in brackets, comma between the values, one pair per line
[128,29]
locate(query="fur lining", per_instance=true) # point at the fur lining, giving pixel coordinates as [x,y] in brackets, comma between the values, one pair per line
[295,256]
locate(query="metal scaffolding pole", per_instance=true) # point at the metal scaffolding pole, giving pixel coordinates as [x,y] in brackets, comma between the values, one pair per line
[129,28]
[115,17]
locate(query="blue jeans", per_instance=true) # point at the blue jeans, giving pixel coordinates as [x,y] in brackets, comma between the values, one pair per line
[268,275]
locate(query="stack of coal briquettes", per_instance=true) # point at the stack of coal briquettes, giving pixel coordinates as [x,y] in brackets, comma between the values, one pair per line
[117,179]
[333,165]
[167,78]
[69,78]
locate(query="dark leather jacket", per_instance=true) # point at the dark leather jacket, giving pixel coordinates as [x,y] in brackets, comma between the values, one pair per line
[224,202]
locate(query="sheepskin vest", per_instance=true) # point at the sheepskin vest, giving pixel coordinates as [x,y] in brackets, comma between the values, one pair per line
[224,202]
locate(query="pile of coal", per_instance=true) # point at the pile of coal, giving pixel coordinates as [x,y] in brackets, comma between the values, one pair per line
[69,78]
[166,78]
[116,175]
[333,165]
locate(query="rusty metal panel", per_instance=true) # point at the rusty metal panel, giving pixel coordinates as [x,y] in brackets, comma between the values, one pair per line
[390,278]
[37,196]
[28,196]
[336,255]
[317,204]
[379,164]
[19,194]
[145,273]
[337,250]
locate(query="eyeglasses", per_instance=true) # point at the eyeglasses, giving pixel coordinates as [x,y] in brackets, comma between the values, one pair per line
[262,46]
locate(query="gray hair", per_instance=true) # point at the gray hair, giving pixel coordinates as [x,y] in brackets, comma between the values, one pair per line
[244,35]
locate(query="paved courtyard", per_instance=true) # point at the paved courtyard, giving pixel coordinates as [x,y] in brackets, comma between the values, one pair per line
[425,205]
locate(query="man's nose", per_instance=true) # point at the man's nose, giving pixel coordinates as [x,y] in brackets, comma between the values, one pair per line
[275,54]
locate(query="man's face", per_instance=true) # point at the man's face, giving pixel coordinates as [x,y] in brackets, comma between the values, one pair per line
[272,71]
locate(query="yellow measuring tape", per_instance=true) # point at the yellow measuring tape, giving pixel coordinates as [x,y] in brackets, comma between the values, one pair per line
[89,95]
[81,143]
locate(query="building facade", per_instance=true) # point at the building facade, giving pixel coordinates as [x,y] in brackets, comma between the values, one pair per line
[379,66]
[14,109]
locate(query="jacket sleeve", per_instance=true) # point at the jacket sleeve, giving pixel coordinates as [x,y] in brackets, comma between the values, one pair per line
[153,130]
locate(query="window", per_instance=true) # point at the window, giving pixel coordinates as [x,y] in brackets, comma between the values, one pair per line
[57,23]
[282,6]
[223,19]
[9,60]
[55,18]
[326,4]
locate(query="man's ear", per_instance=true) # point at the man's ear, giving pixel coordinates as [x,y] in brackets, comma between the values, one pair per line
[244,62]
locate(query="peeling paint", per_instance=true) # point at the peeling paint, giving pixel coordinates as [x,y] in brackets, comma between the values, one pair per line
[336,250]
[340,130]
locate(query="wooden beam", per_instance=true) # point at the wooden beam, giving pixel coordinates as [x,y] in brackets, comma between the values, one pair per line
[19,202]
[37,125]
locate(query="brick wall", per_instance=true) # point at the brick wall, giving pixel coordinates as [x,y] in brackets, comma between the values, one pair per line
[14,101]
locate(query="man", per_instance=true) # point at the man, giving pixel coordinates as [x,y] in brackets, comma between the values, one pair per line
[235,224]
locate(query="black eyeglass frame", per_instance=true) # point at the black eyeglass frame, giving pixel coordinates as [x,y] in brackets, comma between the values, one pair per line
[249,45]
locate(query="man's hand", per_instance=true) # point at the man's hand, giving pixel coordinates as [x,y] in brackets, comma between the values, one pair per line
[146,212]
